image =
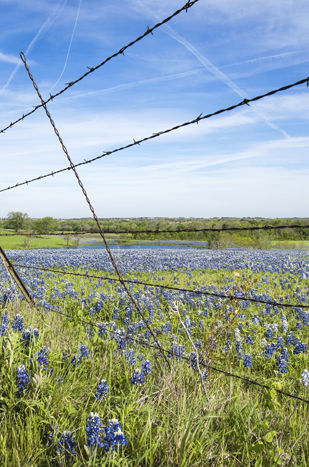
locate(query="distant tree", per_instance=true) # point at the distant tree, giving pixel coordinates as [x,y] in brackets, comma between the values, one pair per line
[46,225]
[0,224]
[17,221]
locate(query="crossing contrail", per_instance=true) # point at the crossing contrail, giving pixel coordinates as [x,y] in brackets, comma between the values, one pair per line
[49,21]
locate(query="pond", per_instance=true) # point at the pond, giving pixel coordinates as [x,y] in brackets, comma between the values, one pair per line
[135,247]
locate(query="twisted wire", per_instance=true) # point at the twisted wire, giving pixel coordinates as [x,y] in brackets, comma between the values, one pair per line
[157,231]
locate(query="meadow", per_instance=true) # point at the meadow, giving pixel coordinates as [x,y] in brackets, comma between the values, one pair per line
[83,382]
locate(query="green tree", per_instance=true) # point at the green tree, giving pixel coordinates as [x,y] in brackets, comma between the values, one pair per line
[17,221]
[46,225]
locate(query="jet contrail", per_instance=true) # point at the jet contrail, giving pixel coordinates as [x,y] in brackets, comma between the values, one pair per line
[50,20]
[212,68]
[66,60]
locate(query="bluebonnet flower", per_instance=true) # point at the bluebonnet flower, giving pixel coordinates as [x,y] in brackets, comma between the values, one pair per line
[116,314]
[130,355]
[269,350]
[198,343]
[269,333]
[305,378]
[248,361]
[94,431]
[166,328]
[114,438]
[42,357]
[282,364]
[102,390]
[66,445]
[249,340]
[285,326]
[299,347]
[299,325]
[83,352]
[263,342]
[4,325]
[29,335]
[201,325]
[18,323]
[290,339]
[102,329]
[177,351]
[146,367]
[280,341]
[138,377]
[23,378]
[205,375]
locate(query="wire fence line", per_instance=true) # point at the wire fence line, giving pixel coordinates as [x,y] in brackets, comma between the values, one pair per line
[134,302]
[157,231]
[157,134]
[169,287]
[188,5]
[170,353]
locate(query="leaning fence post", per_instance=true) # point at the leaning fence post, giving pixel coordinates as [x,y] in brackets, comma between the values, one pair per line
[13,273]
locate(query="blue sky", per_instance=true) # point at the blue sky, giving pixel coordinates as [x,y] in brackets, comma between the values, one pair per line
[252,161]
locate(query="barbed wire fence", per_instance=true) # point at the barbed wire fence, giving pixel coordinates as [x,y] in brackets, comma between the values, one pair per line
[120,278]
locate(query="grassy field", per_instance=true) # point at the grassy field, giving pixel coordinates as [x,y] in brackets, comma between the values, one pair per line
[169,417]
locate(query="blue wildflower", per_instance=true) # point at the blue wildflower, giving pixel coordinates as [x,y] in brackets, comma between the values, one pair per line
[249,340]
[130,355]
[137,378]
[305,378]
[102,390]
[4,325]
[66,445]
[114,438]
[18,323]
[146,367]
[23,378]
[42,357]
[29,335]
[94,431]
[248,361]
[177,351]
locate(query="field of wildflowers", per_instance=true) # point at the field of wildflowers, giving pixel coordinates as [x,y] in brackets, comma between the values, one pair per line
[88,387]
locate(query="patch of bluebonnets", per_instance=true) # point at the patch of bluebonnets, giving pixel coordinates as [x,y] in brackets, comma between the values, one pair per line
[278,326]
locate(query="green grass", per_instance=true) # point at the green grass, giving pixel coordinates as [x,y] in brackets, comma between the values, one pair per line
[169,421]
[17,242]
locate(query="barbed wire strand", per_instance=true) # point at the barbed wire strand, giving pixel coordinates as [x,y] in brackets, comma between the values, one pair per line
[169,352]
[179,289]
[218,229]
[23,57]
[156,135]
[188,5]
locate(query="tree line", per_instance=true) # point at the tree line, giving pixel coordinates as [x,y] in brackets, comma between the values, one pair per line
[21,222]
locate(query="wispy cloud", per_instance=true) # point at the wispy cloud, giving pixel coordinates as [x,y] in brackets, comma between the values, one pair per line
[69,49]
[47,23]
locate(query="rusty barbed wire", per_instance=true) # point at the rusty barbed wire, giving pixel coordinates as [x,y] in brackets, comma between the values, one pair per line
[157,134]
[188,5]
[187,359]
[179,289]
[157,231]
[23,57]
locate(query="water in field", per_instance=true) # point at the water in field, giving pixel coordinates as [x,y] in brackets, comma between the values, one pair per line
[136,247]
